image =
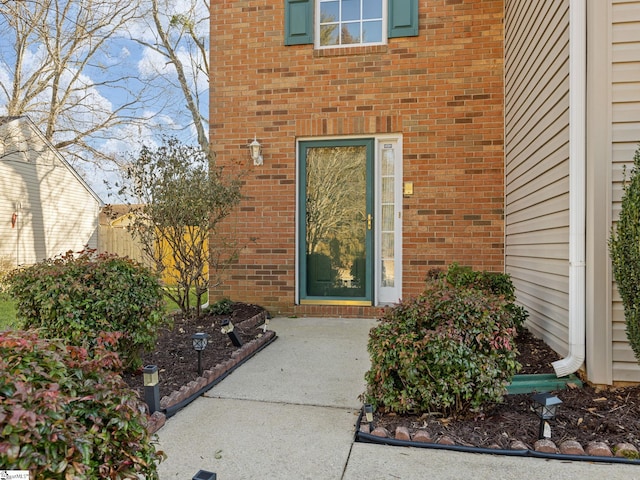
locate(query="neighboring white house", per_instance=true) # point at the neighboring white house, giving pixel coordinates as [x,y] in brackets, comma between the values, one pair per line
[46,208]
[572,121]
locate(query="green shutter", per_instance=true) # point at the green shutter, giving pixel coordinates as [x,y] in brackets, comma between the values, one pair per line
[403,18]
[298,22]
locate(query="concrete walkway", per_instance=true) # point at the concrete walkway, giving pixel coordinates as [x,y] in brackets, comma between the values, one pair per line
[290,413]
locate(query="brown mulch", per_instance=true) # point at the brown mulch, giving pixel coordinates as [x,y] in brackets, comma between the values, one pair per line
[587,414]
[175,357]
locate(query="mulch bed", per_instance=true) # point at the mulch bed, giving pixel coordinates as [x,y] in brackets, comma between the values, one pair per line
[587,414]
[175,357]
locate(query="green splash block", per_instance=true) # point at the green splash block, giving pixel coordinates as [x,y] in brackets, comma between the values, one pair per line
[537,383]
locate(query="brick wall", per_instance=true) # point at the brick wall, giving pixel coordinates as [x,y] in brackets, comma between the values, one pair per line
[442,90]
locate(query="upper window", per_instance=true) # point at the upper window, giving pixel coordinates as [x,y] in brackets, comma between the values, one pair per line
[349,22]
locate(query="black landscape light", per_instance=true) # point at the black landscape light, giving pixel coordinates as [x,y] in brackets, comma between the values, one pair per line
[151,387]
[227,327]
[199,341]
[368,412]
[204,475]
[368,415]
[546,407]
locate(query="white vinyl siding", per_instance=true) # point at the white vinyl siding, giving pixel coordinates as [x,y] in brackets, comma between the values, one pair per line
[625,136]
[56,210]
[537,162]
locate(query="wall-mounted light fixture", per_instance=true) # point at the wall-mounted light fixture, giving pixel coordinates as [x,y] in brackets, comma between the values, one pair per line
[255,149]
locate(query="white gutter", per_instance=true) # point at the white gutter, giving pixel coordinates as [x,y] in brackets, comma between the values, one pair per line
[577,188]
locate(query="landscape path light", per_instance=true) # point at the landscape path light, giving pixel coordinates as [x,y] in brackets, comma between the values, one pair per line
[368,413]
[227,328]
[204,475]
[546,407]
[151,388]
[199,341]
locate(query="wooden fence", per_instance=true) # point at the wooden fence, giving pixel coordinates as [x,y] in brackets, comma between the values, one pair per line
[118,240]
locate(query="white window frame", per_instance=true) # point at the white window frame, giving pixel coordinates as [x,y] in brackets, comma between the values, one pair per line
[316,28]
[381,295]
[388,295]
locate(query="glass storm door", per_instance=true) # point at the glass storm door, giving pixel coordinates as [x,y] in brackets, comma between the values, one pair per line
[336,222]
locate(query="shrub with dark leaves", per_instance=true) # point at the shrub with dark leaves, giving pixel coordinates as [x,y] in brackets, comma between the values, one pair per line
[449,350]
[66,414]
[75,297]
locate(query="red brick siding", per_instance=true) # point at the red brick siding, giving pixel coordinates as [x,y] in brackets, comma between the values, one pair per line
[442,90]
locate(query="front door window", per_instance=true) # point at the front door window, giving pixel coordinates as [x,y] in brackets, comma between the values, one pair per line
[337,227]
[349,221]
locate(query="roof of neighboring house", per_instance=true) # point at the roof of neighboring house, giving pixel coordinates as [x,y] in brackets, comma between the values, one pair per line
[4,120]
[112,213]
[4,124]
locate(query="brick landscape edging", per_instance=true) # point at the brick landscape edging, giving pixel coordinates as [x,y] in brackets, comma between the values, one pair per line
[545,448]
[212,376]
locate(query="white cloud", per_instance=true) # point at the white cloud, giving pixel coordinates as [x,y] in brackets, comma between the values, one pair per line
[152,64]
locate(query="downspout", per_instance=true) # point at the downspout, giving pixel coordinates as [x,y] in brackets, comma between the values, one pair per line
[577,189]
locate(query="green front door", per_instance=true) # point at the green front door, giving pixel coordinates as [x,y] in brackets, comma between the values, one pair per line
[336,218]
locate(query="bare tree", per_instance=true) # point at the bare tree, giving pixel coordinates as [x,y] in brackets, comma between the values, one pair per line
[63,68]
[181,39]
[183,198]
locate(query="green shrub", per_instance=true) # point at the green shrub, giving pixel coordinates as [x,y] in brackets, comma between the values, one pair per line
[75,297]
[494,283]
[223,306]
[449,350]
[624,247]
[67,414]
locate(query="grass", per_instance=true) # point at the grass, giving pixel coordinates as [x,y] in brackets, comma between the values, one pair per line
[8,319]
[172,306]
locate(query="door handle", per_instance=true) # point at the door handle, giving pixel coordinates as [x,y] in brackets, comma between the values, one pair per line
[369,220]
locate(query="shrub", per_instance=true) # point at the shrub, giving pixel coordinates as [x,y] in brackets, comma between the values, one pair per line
[224,306]
[448,350]
[67,414]
[75,297]
[624,247]
[495,283]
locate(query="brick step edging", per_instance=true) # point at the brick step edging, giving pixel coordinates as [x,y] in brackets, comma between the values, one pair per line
[187,393]
[545,448]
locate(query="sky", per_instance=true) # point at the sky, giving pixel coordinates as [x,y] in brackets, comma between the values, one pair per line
[141,70]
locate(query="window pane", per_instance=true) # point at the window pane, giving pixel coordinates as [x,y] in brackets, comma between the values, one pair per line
[387,218]
[329,12]
[351,33]
[387,190]
[329,34]
[387,161]
[372,32]
[336,221]
[388,277]
[350,10]
[371,9]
